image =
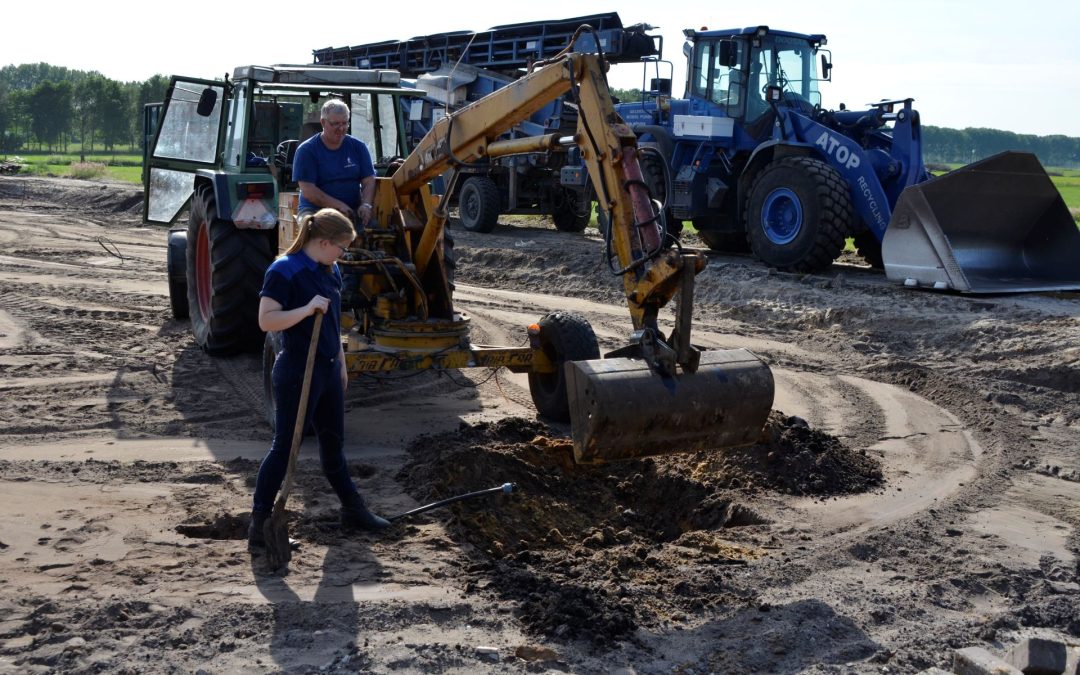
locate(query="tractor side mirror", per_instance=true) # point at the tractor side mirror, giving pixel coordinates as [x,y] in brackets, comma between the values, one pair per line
[727,53]
[207,101]
[826,67]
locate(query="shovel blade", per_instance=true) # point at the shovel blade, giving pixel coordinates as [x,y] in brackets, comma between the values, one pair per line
[999,225]
[620,409]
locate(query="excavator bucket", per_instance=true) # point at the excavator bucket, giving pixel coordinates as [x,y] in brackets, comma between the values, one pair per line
[996,226]
[620,409]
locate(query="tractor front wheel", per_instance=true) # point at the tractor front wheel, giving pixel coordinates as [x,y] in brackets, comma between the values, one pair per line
[798,214]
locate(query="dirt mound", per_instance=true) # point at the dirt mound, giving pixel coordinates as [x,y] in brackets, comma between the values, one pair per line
[595,552]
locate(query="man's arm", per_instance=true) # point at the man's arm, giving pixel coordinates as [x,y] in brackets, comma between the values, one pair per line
[367,199]
[313,194]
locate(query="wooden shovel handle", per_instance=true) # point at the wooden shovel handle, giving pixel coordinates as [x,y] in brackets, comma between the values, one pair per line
[298,430]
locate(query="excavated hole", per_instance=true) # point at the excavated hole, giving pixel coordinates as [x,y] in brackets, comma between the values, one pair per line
[221,526]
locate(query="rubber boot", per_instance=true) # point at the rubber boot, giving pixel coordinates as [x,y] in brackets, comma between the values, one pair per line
[356,516]
[255,529]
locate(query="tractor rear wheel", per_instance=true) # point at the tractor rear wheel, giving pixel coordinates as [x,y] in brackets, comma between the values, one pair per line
[563,337]
[479,204]
[798,214]
[225,268]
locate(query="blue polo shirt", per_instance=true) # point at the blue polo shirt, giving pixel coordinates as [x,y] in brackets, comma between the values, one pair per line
[293,280]
[335,172]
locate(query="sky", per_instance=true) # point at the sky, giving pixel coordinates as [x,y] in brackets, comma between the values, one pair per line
[991,63]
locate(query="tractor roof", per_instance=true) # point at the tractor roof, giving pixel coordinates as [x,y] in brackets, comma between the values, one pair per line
[317,75]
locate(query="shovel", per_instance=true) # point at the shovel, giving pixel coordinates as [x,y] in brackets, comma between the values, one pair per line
[276,529]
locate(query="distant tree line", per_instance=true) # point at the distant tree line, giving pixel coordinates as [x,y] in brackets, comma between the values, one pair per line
[941,145]
[52,108]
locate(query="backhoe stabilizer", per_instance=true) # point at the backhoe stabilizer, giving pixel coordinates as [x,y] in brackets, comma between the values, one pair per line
[996,226]
[620,408]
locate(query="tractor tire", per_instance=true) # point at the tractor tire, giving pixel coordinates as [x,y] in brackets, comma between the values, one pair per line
[563,337]
[272,346]
[869,248]
[225,268]
[176,267]
[656,179]
[566,210]
[721,242]
[479,204]
[798,214]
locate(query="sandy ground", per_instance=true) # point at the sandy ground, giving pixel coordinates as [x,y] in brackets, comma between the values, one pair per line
[128,459]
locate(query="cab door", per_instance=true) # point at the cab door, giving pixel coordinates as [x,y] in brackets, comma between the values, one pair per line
[188,139]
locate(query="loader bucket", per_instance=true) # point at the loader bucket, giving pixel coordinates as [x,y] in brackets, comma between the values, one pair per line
[996,226]
[620,409]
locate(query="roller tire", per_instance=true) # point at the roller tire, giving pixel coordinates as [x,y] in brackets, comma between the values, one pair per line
[479,204]
[563,337]
[225,268]
[810,241]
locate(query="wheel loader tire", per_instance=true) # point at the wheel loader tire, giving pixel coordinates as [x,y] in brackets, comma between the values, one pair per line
[869,248]
[656,179]
[225,268]
[479,204]
[272,346]
[798,214]
[721,242]
[176,267]
[566,211]
[563,337]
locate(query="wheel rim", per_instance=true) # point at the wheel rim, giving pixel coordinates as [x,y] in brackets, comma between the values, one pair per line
[470,209]
[202,270]
[781,216]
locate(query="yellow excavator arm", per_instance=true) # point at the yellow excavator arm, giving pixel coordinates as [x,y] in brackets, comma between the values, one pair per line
[657,394]
[651,273]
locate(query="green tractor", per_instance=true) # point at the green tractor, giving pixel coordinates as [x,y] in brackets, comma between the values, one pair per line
[223,149]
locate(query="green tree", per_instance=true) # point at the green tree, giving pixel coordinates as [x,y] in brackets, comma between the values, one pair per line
[114,109]
[50,111]
[89,97]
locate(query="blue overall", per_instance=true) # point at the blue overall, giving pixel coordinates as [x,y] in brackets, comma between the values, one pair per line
[293,280]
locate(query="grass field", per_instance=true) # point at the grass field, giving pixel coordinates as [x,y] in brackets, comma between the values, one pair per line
[125,165]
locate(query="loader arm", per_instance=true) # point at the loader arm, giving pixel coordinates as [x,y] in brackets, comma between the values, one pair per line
[651,274]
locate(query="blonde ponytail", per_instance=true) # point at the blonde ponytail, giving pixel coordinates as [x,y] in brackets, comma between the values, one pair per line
[327,224]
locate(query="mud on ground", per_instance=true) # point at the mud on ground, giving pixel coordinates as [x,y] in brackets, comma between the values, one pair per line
[917,492]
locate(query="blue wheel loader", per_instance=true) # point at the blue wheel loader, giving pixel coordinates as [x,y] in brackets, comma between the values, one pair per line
[752,158]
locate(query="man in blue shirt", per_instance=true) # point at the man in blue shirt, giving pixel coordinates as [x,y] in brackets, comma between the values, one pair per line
[334,170]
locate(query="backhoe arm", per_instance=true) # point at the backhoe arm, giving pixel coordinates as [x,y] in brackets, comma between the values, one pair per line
[651,273]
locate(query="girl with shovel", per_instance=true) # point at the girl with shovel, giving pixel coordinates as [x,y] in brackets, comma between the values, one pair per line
[301,287]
